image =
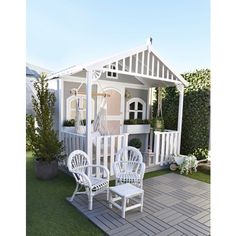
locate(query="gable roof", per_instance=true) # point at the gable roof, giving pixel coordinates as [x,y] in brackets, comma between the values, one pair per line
[142,62]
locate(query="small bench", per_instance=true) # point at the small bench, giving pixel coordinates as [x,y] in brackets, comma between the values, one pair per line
[124,193]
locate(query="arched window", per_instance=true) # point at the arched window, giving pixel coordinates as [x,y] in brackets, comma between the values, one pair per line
[71,107]
[135,109]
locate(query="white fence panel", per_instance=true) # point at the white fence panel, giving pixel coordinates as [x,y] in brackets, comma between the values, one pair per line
[165,144]
[104,147]
[72,141]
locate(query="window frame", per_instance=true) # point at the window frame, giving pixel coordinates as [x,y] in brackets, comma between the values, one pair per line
[112,67]
[136,111]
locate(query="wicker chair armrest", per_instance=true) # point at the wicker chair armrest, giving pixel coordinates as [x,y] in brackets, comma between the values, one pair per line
[142,169]
[79,175]
[101,167]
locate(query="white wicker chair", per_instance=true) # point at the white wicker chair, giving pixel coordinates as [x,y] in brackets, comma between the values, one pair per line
[129,167]
[78,164]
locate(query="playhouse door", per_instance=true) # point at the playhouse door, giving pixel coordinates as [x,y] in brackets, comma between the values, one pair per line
[114,112]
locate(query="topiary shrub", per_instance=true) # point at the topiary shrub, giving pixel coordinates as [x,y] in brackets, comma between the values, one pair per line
[196,113]
[135,142]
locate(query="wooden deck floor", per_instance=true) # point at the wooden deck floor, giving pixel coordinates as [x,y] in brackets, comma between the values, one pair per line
[173,205]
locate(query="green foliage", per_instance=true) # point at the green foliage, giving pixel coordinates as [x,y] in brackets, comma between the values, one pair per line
[135,142]
[42,136]
[136,122]
[201,153]
[69,123]
[196,112]
[29,124]
[83,122]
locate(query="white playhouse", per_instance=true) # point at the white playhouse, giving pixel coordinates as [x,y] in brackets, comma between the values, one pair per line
[102,96]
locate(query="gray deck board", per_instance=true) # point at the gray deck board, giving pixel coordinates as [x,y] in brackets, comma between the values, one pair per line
[174,205]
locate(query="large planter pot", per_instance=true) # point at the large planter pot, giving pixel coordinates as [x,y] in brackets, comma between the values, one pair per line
[137,129]
[46,170]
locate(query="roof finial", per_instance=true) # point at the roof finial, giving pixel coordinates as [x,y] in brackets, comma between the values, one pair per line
[149,43]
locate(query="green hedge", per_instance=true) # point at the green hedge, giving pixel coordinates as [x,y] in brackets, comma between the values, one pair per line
[196,112]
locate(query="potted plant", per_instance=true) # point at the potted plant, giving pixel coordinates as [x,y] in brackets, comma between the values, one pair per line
[158,122]
[69,125]
[46,147]
[135,142]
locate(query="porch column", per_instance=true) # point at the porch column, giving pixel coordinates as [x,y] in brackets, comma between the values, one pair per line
[60,89]
[180,88]
[89,114]
[148,116]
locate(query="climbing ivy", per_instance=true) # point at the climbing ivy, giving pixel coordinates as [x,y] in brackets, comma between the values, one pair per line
[196,112]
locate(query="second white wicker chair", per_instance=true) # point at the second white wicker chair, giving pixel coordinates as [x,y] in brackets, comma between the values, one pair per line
[78,164]
[129,167]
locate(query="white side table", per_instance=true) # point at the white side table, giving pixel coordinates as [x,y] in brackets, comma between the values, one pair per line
[125,192]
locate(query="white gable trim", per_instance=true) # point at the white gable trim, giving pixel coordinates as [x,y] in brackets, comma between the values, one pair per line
[141,62]
[180,77]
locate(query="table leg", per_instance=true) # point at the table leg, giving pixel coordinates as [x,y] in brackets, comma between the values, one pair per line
[123,207]
[110,199]
[141,208]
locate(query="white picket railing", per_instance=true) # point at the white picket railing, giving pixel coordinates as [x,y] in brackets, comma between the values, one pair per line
[104,147]
[73,141]
[165,144]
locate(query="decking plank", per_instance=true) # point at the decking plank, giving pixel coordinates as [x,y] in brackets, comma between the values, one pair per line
[167,232]
[143,228]
[149,224]
[191,229]
[159,223]
[122,228]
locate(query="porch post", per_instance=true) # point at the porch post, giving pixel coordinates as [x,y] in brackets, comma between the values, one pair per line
[60,88]
[89,114]
[180,88]
[148,116]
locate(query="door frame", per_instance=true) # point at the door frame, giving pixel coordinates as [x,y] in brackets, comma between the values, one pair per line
[119,90]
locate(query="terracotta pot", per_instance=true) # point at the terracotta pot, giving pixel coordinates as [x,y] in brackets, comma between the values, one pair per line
[46,170]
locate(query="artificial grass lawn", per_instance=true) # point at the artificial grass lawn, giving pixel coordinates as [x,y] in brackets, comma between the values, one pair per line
[48,212]
[200,176]
[195,175]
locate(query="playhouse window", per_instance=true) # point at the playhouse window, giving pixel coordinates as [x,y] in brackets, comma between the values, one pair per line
[135,109]
[111,74]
